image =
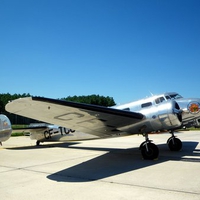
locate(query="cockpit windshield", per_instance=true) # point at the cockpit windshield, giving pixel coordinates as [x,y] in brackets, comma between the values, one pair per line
[173,96]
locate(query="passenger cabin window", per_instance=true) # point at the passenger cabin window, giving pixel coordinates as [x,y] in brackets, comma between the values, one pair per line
[144,105]
[159,100]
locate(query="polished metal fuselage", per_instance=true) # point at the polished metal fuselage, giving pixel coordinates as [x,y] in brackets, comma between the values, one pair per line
[156,110]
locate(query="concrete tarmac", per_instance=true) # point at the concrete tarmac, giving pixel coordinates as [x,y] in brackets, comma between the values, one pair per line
[100,169]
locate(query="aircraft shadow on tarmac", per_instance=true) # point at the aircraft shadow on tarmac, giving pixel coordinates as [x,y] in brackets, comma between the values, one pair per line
[118,161]
[60,144]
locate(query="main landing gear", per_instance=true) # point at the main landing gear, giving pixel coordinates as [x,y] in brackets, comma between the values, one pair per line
[150,151]
[174,143]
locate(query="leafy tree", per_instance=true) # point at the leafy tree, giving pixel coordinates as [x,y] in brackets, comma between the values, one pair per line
[4,99]
[92,99]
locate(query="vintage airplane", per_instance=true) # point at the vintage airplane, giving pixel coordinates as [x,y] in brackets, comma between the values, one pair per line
[5,128]
[168,111]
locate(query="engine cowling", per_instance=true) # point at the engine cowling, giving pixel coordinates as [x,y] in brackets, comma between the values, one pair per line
[167,116]
[5,128]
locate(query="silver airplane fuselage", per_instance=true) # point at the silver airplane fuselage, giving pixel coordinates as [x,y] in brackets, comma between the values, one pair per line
[155,109]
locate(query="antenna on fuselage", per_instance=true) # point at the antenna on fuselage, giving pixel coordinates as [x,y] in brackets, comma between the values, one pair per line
[151,93]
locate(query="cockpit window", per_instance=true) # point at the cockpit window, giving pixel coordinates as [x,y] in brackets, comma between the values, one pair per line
[175,96]
[144,105]
[159,100]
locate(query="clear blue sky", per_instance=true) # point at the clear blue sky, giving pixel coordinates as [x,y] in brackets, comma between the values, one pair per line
[119,48]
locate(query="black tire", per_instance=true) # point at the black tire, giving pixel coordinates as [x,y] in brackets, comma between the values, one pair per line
[140,148]
[149,152]
[174,144]
[169,139]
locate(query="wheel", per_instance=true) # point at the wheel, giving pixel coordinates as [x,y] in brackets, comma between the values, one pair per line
[174,144]
[142,145]
[169,139]
[149,151]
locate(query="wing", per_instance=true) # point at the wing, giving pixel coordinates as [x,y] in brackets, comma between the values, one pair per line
[92,119]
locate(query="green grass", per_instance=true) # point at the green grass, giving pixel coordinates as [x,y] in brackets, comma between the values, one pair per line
[193,129]
[17,134]
[17,126]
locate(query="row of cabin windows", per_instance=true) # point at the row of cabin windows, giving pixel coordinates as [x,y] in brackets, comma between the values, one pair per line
[158,100]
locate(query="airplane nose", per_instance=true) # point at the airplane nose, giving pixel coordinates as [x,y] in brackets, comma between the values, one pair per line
[5,128]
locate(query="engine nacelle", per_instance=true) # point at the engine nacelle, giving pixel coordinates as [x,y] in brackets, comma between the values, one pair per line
[165,116]
[5,128]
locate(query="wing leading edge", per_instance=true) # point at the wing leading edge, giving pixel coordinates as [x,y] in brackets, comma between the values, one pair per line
[92,119]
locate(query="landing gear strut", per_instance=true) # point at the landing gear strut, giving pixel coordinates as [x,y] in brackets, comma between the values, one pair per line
[37,143]
[149,150]
[174,143]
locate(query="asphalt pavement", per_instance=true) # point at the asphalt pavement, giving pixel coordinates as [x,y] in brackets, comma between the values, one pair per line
[100,169]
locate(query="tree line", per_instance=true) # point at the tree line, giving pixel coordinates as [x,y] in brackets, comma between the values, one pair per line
[92,99]
[16,119]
